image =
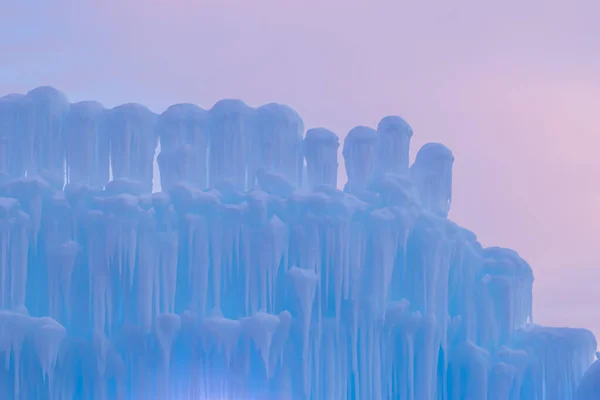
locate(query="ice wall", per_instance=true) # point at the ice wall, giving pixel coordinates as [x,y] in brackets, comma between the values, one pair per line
[236,283]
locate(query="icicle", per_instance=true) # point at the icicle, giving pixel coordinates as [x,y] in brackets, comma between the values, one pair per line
[47,339]
[261,327]
[146,255]
[305,284]
[19,260]
[168,266]
[199,261]
[101,346]
[62,262]
[15,327]
[224,333]
[167,329]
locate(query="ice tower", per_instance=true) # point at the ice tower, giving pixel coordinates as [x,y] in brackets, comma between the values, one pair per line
[240,281]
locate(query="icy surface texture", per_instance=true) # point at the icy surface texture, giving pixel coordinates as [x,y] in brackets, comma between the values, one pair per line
[321,153]
[394,144]
[183,131]
[432,175]
[237,283]
[133,140]
[360,158]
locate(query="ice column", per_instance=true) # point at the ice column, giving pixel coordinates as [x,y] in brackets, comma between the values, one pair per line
[87,144]
[320,150]
[49,111]
[275,143]
[16,140]
[183,131]
[360,157]
[393,146]
[432,175]
[504,290]
[133,143]
[589,387]
[558,360]
[229,127]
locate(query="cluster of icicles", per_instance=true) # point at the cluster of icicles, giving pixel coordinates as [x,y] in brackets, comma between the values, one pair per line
[272,284]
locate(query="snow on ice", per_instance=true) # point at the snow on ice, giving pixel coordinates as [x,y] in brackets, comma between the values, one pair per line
[252,276]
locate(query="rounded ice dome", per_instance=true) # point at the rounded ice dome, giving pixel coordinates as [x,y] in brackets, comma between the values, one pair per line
[182,111]
[322,136]
[49,97]
[361,134]
[434,151]
[394,124]
[228,107]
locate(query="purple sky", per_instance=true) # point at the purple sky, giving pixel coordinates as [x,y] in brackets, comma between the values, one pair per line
[512,87]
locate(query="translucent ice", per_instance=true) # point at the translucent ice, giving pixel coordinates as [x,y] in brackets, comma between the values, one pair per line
[394,142]
[432,174]
[240,281]
[87,144]
[230,125]
[275,143]
[49,112]
[132,143]
[320,149]
[183,131]
[360,157]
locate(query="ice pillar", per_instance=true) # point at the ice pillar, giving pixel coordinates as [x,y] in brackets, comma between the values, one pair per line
[16,140]
[87,144]
[49,108]
[393,145]
[360,156]
[229,126]
[320,150]
[275,143]
[133,143]
[183,131]
[432,175]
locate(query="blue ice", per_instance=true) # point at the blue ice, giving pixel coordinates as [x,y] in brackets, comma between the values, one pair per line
[252,276]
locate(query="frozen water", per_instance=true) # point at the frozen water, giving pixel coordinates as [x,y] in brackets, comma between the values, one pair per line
[320,150]
[242,279]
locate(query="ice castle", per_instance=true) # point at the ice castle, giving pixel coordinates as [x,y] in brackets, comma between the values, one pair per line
[251,276]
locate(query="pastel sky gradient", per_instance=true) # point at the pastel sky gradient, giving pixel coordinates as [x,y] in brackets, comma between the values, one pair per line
[511,86]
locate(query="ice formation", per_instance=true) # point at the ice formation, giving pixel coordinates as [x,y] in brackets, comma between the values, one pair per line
[242,281]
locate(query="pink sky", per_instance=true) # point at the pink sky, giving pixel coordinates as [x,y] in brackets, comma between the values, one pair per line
[512,87]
